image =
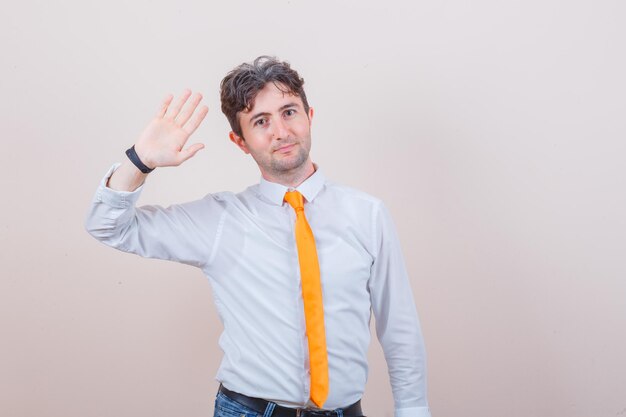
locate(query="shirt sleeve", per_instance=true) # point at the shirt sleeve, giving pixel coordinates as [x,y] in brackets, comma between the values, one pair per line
[182,232]
[397,322]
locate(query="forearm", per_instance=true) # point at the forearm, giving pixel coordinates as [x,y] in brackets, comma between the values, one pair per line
[127,177]
[399,332]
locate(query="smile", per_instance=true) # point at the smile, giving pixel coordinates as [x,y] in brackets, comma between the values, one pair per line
[286,148]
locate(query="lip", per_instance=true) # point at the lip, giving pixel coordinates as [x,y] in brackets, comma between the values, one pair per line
[285,148]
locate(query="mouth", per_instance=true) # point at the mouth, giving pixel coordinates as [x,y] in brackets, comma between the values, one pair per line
[285,148]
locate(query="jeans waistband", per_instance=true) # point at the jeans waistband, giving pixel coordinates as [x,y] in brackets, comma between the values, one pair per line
[260,405]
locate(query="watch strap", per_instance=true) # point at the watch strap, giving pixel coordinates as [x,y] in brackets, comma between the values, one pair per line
[134,158]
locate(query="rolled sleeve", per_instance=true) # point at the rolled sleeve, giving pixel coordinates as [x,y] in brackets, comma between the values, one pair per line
[114,198]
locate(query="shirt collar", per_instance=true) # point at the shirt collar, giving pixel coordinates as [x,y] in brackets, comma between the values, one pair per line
[309,188]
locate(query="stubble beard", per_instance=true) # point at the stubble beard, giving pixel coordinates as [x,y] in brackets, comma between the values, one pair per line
[282,166]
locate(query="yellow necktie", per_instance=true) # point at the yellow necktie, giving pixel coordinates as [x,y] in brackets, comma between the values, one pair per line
[312,296]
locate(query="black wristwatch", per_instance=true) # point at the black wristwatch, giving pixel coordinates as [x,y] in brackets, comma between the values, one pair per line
[134,158]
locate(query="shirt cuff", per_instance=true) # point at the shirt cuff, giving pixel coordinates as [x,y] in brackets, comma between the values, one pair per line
[412,412]
[114,198]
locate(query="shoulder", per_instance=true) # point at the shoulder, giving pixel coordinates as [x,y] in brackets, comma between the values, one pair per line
[210,203]
[350,195]
[224,196]
[229,197]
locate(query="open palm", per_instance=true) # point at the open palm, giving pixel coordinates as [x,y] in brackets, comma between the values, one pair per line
[162,141]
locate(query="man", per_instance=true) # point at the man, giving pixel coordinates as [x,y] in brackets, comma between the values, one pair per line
[297,263]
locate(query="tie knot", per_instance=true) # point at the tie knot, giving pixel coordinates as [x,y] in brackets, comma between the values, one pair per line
[295,200]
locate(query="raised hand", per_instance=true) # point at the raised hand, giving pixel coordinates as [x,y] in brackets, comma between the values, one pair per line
[162,141]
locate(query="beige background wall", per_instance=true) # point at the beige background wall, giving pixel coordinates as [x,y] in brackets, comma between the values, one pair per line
[494,131]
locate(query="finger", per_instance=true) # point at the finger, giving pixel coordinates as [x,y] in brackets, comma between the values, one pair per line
[166,102]
[196,120]
[173,111]
[189,152]
[182,118]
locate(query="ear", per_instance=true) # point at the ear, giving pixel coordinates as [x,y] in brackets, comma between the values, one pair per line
[239,141]
[311,114]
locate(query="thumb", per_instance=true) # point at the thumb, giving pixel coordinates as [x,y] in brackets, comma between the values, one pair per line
[190,151]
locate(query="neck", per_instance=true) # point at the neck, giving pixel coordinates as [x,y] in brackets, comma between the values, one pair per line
[291,178]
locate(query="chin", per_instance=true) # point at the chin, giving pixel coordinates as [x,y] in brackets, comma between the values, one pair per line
[290,163]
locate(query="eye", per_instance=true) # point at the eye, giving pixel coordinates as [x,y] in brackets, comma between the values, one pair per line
[290,112]
[260,122]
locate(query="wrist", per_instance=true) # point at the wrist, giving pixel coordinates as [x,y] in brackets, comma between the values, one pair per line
[139,161]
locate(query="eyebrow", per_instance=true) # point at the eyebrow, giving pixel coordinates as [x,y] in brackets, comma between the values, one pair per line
[286,106]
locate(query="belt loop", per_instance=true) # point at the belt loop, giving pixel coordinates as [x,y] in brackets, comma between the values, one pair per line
[269,409]
[339,412]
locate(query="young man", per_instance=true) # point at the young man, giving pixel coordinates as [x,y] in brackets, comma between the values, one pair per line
[297,263]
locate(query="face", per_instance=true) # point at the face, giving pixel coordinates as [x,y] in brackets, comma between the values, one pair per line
[277,133]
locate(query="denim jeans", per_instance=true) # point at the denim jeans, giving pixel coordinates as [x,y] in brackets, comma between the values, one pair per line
[225,407]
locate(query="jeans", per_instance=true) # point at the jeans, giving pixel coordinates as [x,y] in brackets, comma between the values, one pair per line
[225,407]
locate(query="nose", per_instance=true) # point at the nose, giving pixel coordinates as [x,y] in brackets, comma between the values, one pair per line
[281,130]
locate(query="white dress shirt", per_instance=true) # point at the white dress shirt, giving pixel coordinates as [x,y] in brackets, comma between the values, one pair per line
[245,245]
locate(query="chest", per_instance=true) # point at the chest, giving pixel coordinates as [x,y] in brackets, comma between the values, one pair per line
[259,248]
